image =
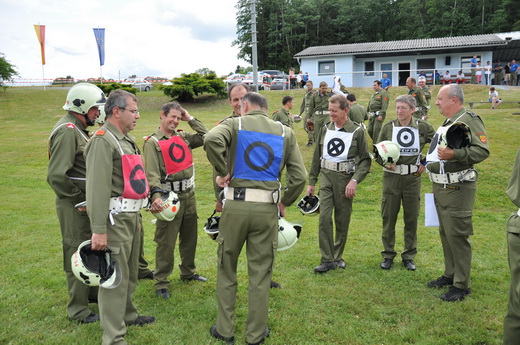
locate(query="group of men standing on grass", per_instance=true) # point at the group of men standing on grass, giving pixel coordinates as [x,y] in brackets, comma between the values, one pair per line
[249,151]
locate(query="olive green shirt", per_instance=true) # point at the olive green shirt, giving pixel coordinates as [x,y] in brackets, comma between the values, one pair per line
[153,158]
[418,94]
[306,102]
[426,133]
[105,172]
[358,151]
[513,188]
[220,145]
[379,102]
[357,113]
[427,94]
[66,172]
[465,157]
[318,103]
[283,116]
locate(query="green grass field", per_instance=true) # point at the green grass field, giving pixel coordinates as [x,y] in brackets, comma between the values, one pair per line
[360,305]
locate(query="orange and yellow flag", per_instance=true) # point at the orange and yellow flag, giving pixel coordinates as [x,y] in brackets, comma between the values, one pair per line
[40,32]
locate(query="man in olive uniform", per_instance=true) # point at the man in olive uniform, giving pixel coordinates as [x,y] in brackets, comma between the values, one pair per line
[402,180]
[376,108]
[454,187]
[418,94]
[169,167]
[427,94]
[356,112]
[116,191]
[305,108]
[66,176]
[341,159]
[284,115]
[249,154]
[319,108]
[512,319]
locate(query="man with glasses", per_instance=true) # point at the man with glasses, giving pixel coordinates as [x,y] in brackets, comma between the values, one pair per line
[402,180]
[116,191]
[169,167]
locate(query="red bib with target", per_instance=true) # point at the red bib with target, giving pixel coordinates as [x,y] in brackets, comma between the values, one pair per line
[176,154]
[135,182]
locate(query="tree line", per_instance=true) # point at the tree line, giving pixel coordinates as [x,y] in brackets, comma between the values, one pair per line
[286,27]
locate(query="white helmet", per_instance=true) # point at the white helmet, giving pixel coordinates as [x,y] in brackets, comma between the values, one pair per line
[102,115]
[170,206]
[288,234]
[211,226]
[297,118]
[388,151]
[82,97]
[309,205]
[95,267]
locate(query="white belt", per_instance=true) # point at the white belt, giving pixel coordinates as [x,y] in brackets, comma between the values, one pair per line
[253,195]
[323,112]
[454,177]
[179,186]
[373,113]
[348,166]
[120,204]
[403,169]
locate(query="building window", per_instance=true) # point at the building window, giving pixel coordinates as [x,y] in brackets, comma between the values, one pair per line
[326,67]
[386,68]
[369,68]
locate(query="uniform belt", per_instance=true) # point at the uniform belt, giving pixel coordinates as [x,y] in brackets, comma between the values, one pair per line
[179,186]
[253,195]
[373,113]
[403,169]
[348,167]
[323,112]
[469,175]
[120,204]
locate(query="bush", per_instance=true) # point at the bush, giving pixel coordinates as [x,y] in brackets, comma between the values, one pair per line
[188,86]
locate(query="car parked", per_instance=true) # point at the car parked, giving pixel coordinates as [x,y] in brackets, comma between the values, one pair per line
[264,81]
[274,73]
[279,84]
[234,78]
[138,83]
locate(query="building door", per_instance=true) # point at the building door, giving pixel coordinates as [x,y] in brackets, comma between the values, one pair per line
[404,72]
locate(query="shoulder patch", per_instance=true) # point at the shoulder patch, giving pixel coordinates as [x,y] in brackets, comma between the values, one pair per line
[71,126]
[482,136]
[100,132]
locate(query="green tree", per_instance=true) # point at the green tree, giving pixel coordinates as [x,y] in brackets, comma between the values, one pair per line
[7,71]
[205,71]
[185,88]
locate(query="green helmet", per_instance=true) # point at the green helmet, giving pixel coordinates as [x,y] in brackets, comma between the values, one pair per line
[82,97]
[288,234]
[388,151]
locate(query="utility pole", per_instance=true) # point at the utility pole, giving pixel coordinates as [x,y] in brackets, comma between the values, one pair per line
[253,45]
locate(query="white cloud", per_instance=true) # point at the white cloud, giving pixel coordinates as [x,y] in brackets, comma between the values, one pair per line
[146,38]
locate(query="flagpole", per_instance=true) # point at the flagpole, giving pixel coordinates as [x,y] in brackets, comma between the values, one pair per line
[43,74]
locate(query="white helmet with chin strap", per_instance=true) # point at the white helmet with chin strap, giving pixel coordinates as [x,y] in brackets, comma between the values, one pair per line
[83,96]
[288,234]
[169,207]
[388,151]
[95,267]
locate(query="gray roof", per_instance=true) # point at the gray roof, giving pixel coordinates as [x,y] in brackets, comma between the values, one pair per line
[394,46]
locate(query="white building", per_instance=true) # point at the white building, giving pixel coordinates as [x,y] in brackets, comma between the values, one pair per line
[359,64]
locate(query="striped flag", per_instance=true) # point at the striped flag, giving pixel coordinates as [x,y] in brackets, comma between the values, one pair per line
[40,33]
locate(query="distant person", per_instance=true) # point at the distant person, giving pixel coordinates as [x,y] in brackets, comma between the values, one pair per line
[427,94]
[512,319]
[309,92]
[447,78]
[493,98]
[299,79]
[422,74]
[437,77]
[478,73]
[487,73]
[473,68]
[337,86]
[386,83]
[461,78]
[318,113]
[514,76]
[498,70]
[507,74]
[421,109]
[283,115]
[376,108]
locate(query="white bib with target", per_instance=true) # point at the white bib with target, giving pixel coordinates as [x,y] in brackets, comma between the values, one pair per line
[336,145]
[408,140]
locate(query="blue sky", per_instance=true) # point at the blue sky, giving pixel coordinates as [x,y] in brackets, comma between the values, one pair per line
[143,37]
